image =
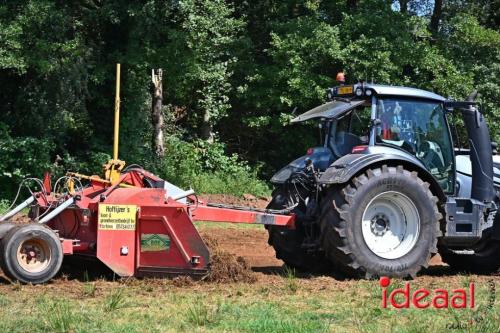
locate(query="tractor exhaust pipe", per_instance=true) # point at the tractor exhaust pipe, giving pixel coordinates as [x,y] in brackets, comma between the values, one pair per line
[480,152]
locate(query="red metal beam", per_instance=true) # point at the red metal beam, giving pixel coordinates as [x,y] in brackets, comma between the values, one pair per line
[218,214]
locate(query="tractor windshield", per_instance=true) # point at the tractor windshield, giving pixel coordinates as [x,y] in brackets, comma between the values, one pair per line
[419,127]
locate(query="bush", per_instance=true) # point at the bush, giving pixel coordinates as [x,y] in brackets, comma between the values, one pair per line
[207,169]
[4,206]
[20,158]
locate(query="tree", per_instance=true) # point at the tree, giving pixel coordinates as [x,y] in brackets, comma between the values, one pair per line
[210,33]
[157,112]
[403,6]
[236,71]
[436,15]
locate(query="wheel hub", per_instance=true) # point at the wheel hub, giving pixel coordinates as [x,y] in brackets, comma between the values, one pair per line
[390,225]
[379,224]
[33,255]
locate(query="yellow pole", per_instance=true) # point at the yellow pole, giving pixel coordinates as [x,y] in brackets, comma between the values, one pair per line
[117,114]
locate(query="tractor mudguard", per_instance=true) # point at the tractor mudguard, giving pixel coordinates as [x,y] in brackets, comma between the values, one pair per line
[321,158]
[346,167]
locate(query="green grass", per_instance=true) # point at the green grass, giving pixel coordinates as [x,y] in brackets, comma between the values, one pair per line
[115,300]
[291,280]
[276,303]
[313,305]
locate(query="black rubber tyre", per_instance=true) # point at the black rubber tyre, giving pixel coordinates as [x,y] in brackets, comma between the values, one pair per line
[288,243]
[5,227]
[31,253]
[341,224]
[485,258]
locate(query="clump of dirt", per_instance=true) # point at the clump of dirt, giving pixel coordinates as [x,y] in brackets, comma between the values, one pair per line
[226,267]
[20,219]
[182,281]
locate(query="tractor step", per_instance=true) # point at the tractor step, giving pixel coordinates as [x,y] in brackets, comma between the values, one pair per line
[465,221]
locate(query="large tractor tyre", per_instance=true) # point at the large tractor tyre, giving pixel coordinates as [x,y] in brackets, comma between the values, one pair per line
[385,222]
[31,253]
[483,258]
[287,243]
[480,258]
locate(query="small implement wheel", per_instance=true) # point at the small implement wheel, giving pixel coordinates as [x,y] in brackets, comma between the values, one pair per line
[31,253]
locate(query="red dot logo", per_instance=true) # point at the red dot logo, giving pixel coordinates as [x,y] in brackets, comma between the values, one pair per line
[384,281]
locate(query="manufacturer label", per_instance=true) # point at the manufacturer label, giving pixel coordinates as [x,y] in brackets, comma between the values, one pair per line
[117,217]
[154,242]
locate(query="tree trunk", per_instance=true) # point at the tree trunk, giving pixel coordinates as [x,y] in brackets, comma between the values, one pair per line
[403,6]
[436,15]
[206,128]
[352,4]
[157,113]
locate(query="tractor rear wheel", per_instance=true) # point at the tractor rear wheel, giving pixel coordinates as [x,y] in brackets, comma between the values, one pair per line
[31,253]
[288,242]
[385,222]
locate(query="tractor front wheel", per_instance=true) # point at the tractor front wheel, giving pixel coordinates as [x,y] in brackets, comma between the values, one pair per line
[385,222]
[31,253]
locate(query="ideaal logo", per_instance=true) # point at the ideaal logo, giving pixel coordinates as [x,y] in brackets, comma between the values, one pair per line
[421,298]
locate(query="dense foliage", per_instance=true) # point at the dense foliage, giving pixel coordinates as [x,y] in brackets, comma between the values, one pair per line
[234,71]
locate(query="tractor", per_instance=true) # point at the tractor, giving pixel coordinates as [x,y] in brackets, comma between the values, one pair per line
[391,186]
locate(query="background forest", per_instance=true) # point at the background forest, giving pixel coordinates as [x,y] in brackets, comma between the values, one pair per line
[234,73]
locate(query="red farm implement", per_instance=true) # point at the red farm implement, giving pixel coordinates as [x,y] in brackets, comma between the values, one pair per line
[131,220]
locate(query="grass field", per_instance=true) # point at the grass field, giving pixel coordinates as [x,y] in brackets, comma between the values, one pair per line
[277,302]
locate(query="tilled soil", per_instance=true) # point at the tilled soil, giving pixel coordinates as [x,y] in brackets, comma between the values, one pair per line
[241,256]
[238,255]
[247,200]
[252,246]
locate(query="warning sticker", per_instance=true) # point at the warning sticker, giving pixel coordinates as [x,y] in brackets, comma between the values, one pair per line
[117,217]
[154,242]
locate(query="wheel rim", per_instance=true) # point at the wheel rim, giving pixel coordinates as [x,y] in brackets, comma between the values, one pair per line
[391,225]
[34,255]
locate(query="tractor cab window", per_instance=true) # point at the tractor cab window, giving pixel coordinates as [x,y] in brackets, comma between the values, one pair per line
[350,130]
[420,128]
